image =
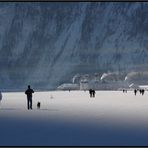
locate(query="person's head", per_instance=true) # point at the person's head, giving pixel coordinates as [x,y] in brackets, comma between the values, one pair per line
[29,86]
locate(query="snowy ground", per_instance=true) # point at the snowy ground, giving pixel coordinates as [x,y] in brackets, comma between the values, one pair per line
[73,118]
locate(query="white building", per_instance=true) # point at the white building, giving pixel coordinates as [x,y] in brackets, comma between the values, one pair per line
[68,86]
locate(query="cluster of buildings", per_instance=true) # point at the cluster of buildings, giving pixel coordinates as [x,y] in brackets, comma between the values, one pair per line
[106,81]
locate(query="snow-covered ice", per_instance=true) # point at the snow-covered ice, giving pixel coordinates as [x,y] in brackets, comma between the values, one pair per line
[112,118]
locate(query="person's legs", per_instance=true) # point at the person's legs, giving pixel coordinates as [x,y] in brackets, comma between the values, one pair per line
[30,102]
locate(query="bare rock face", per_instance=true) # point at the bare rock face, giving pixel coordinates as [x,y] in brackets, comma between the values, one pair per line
[45,44]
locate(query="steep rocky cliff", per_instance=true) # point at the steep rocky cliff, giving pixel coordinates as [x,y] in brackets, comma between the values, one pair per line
[45,44]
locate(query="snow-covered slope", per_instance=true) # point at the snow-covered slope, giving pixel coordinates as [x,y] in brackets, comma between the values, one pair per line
[45,44]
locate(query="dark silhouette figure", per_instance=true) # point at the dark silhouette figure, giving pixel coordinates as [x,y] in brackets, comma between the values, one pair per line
[124,91]
[93,93]
[38,105]
[29,92]
[142,92]
[90,92]
[135,91]
[0,97]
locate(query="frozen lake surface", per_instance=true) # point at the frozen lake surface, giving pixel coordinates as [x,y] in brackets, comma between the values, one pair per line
[112,118]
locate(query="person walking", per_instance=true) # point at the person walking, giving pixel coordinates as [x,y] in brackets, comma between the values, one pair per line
[142,92]
[29,92]
[90,92]
[93,93]
[135,91]
[0,97]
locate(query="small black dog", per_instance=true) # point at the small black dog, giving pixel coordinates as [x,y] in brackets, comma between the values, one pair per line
[38,105]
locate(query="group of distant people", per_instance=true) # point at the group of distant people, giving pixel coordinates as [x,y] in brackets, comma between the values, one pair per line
[30,91]
[135,91]
[140,90]
[124,91]
[92,93]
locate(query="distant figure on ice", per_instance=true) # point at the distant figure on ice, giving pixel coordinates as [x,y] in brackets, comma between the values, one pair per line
[135,91]
[124,91]
[29,92]
[93,93]
[142,91]
[0,97]
[90,92]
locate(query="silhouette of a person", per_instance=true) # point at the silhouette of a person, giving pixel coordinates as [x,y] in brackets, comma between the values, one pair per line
[142,91]
[135,91]
[0,97]
[93,93]
[90,92]
[29,92]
